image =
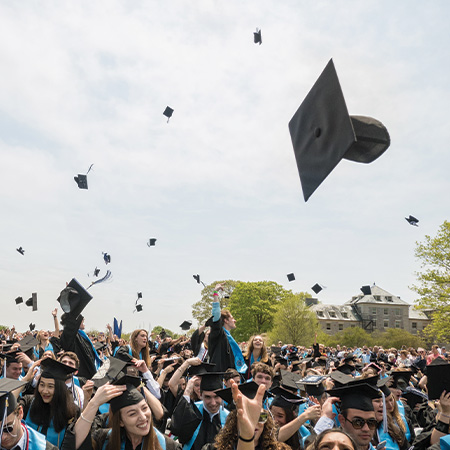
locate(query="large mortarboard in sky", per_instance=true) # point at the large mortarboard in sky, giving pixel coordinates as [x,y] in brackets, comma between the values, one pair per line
[22,251]
[74,298]
[323,133]
[257,38]
[18,300]
[290,277]
[412,221]
[186,325]
[81,179]
[168,113]
[32,301]
[317,288]
[366,290]
[151,242]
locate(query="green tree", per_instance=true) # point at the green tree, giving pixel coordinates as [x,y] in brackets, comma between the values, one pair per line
[201,310]
[434,282]
[351,337]
[396,338]
[157,330]
[253,305]
[294,322]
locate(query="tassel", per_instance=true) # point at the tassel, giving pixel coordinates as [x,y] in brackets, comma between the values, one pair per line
[385,425]
[105,278]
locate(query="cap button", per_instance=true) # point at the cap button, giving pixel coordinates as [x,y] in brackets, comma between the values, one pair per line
[317,132]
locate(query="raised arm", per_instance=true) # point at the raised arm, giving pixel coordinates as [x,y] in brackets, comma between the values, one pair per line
[173,383]
[55,321]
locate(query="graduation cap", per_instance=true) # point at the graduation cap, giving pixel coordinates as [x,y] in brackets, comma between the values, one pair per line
[414,396]
[290,277]
[32,326]
[28,342]
[96,271]
[249,389]
[74,298]
[257,39]
[383,386]
[112,369]
[340,379]
[412,221]
[285,399]
[131,396]
[139,308]
[11,357]
[55,369]
[366,290]
[168,113]
[346,369]
[106,257]
[201,369]
[186,325]
[289,380]
[438,378]
[358,396]
[99,346]
[211,381]
[8,402]
[323,133]
[139,295]
[32,301]
[400,379]
[317,288]
[313,385]
[350,357]
[21,250]
[81,179]
[151,242]
[275,349]
[373,366]
[18,300]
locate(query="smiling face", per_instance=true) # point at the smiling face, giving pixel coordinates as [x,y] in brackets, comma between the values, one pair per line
[136,419]
[211,401]
[335,441]
[46,388]
[363,435]
[12,429]
[258,342]
[279,415]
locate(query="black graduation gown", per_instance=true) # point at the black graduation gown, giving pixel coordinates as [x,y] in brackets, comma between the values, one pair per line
[185,420]
[219,348]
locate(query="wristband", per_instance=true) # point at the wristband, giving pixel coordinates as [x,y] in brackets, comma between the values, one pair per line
[246,440]
[442,427]
[84,418]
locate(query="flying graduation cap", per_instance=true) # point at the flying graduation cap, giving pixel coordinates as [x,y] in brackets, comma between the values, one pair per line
[74,298]
[197,279]
[366,290]
[168,113]
[290,277]
[22,251]
[32,326]
[257,38]
[18,300]
[317,288]
[411,220]
[186,325]
[106,257]
[32,301]
[138,306]
[81,179]
[151,242]
[106,277]
[323,133]
[96,271]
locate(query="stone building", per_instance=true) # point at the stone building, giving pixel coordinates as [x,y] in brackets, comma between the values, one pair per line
[378,310]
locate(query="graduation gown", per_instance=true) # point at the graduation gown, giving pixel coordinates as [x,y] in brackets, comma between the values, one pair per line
[193,425]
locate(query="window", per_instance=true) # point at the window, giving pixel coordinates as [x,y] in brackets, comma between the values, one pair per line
[373,311]
[320,313]
[344,314]
[386,311]
[341,327]
[397,324]
[397,311]
[374,323]
[328,326]
[332,314]
[389,299]
[414,325]
[377,298]
[386,324]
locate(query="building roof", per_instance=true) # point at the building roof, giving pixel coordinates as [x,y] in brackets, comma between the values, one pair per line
[334,312]
[415,314]
[378,296]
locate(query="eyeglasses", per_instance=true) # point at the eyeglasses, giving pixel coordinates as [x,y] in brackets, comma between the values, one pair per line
[9,428]
[358,423]
[263,417]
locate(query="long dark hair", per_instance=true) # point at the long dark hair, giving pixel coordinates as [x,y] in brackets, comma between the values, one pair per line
[315,444]
[61,409]
[149,442]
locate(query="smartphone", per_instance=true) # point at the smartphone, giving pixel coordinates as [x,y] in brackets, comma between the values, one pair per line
[381,445]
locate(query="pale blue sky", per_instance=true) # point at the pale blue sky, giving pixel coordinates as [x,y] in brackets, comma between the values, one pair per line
[87,82]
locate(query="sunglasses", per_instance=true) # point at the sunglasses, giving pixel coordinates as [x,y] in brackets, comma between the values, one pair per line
[358,423]
[9,428]
[263,417]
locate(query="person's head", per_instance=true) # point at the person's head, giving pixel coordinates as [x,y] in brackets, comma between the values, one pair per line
[197,387]
[282,416]
[359,424]
[70,359]
[211,401]
[13,370]
[48,354]
[263,374]
[210,383]
[12,428]
[333,439]
[435,349]
[139,339]
[229,322]
[231,374]
[42,336]
[256,343]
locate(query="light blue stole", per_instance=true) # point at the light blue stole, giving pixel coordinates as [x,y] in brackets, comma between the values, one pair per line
[98,361]
[239,361]
[35,440]
[159,435]
[51,436]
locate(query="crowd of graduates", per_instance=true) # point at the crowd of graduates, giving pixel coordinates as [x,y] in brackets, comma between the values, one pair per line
[66,389]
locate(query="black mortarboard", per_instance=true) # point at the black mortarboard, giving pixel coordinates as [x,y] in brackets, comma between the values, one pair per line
[112,369]
[289,380]
[139,295]
[169,361]
[28,342]
[96,272]
[414,396]
[412,220]
[81,180]
[11,357]
[323,133]
[281,360]
[313,386]
[55,369]
[349,357]
[131,396]
[400,379]
[356,397]
[383,386]
[290,277]
[317,288]
[139,308]
[151,242]
[32,301]
[209,322]
[106,258]
[275,349]
[373,366]
[168,112]
[285,399]
[211,381]
[340,378]
[257,38]
[249,389]
[74,298]
[18,300]
[22,251]
[32,326]
[186,325]
[347,369]
[366,290]
[7,399]
[321,361]
[99,346]
[438,378]
[201,369]
[197,278]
